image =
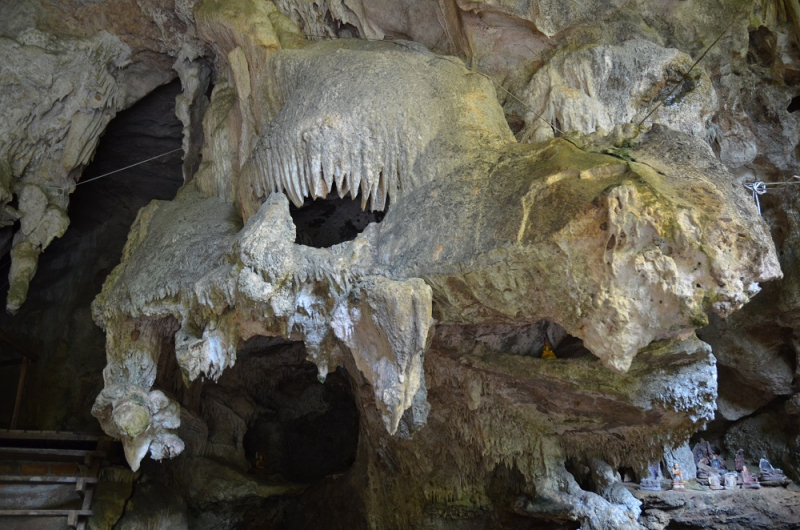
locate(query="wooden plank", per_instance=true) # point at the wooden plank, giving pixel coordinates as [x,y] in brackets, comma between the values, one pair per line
[80,487]
[10,434]
[45,479]
[44,513]
[20,386]
[72,519]
[94,472]
[87,499]
[23,453]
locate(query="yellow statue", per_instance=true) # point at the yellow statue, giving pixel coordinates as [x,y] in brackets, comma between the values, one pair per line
[548,353]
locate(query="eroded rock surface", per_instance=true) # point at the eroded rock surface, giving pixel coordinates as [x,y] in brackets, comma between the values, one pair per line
[615,248]
[613,243]
[766,508]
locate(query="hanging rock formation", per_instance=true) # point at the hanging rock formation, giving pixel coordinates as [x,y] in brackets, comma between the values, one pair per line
[621,243]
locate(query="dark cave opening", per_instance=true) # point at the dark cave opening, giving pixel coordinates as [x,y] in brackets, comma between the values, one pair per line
[794,105]
[527,340]
[301,429]
[582,474]
[323,223]
[762,49]
[627,474]
[59,389]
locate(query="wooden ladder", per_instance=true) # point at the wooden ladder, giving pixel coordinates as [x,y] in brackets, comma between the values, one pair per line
[44,457]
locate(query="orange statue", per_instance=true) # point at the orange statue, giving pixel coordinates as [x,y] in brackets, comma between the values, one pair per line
[548,353]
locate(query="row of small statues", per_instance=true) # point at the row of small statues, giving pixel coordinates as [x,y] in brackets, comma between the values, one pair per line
[712,472]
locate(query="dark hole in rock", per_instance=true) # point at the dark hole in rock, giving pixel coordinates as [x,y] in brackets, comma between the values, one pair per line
[60,390]
[6,235]
[794,105]
[527,340]
[627,474]
[791,77]
[343,29]
[714,433]
[557,129]
[326,222]
[505,484]
[762,47]
[583,475]
[508,487]
[302,430]
[515,122]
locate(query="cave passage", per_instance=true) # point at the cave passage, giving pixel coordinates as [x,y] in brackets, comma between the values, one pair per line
[323,223]
[56,317]
[302,430]
[527,340]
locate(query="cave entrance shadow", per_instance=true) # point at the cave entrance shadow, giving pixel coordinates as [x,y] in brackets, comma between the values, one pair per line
[301,429]
[322,223]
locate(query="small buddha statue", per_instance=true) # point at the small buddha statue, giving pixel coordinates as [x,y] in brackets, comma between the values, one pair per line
[739,461]
[717,463]
[771,476]
[749,481]
[730,481]
[548,353]
[677,477]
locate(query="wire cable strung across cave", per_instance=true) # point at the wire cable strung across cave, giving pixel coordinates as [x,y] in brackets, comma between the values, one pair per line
[107,174]
[116,170]
[128,167]
[760,188]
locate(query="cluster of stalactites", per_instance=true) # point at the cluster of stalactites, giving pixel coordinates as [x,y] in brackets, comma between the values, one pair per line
[314,166]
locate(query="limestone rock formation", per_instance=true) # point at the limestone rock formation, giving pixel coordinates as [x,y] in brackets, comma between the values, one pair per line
[520,198]
[617,249]
[605,86]
[56,103]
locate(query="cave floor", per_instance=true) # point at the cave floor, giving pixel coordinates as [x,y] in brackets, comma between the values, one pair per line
[700,507]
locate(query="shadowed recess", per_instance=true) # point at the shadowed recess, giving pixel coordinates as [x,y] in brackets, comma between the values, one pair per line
[326,222]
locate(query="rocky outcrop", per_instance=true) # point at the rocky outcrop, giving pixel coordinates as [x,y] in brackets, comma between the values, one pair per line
[71,271]
[613,247]
[601,87]
[768,435]
[63,107]
[767,508]
[522,202]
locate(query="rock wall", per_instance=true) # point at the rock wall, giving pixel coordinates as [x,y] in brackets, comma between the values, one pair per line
[543,171]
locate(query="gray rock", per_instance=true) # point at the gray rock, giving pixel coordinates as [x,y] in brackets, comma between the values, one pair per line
[152,507]
[601,87]
[685,459]
[792,406]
